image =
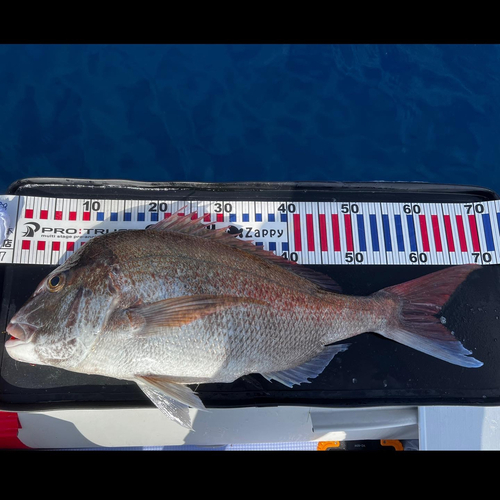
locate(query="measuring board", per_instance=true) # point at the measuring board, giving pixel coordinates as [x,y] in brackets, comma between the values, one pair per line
[347,231]
[45,230]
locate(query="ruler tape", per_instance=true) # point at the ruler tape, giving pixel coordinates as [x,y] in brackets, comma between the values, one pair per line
[49,230]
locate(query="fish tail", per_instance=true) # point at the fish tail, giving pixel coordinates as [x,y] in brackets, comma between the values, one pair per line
[415,320]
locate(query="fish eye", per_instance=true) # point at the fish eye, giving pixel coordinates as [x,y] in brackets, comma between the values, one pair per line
[56,283]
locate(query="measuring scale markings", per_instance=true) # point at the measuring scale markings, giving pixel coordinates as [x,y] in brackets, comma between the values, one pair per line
[49,230]
[494,213]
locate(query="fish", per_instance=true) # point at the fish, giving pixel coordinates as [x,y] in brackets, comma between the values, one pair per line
[178,304]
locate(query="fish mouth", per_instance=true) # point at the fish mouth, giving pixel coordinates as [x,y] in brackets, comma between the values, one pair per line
[21,333]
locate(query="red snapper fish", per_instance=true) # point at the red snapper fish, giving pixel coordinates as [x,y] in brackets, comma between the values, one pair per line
[177,304]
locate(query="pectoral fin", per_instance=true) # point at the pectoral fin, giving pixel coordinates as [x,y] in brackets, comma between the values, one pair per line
[180,311]
[171,398]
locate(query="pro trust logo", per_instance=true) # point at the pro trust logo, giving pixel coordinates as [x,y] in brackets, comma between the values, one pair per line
[30,229]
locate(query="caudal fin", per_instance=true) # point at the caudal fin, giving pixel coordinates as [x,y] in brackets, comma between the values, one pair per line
[416,322]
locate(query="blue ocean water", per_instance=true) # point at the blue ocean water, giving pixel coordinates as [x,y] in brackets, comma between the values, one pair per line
[220,113]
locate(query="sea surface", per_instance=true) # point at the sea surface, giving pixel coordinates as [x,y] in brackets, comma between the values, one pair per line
[220,113]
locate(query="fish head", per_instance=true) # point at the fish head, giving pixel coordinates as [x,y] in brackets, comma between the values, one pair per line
[62,319]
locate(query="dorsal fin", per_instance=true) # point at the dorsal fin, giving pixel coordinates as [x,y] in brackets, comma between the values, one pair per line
[192,225]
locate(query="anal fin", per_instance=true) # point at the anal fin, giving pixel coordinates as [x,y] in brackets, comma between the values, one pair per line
[311,369]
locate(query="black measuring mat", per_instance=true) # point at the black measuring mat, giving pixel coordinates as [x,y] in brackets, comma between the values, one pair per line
[374,371]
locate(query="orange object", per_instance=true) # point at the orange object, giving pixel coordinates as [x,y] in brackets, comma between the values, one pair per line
[392,442]
[324,445]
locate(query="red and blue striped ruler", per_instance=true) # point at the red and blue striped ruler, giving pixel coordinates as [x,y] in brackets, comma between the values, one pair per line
[48,230]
